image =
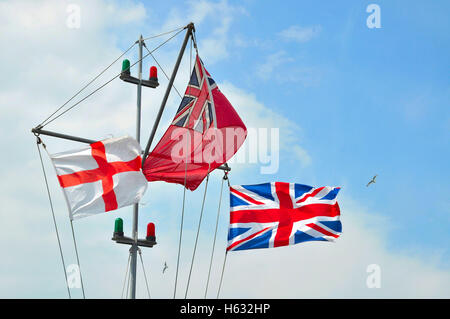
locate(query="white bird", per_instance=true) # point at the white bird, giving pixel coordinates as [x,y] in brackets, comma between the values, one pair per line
[372,181]
[165,267]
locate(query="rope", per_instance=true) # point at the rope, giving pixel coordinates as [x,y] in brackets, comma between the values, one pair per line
[215,234]
[126,275]
[164,72]
[128,284]
[221,276]
[194,39]
[184,195]
[109,81]
[161,34]
[226,251]
[181,235]
[73,237]
[198,231]
[84,87]
[145,276]
[78,259]
[96,77]
[39,141]
[129,274]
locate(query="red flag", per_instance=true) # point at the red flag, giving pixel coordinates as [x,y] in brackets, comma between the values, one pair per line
[205,133]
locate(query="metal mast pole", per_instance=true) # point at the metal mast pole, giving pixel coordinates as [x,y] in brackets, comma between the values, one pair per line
[134,246]
[190,28]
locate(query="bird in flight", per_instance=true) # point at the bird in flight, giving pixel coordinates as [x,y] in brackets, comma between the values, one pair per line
[165,267]
[372,181]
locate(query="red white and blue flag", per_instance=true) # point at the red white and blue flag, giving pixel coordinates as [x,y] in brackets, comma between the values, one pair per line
[205,133]
[281,214]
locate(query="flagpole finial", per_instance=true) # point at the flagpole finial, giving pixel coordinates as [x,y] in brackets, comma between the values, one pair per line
[190,26]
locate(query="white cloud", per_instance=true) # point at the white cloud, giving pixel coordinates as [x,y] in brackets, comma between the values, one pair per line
[257,115]
[300,34]
[134,13]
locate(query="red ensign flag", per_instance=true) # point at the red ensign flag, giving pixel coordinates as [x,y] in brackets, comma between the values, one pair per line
[205,133]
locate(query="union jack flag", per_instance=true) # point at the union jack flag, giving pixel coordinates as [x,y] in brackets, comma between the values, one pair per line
[281,214]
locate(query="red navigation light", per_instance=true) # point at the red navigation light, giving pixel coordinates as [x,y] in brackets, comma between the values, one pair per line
[153,73]
[150,230]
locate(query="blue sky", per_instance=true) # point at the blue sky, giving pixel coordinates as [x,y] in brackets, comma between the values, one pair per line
[350,102]
[369,101]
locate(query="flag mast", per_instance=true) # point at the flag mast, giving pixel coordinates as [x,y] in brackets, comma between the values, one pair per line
[118,235]
[190,28]
[134,246]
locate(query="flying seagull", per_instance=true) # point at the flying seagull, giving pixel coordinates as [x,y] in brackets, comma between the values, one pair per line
[165,267]
[372,181]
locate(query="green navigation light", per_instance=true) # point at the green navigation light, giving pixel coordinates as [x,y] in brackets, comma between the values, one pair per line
[126,66]
[118,225]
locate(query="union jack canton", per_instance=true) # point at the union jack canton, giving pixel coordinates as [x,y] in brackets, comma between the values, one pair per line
[281,214]
[197,109]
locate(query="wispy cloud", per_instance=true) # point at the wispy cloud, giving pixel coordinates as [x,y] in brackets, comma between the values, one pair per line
[300,34]
[215,46]
[283,68]
[266,69]
[302,155]
[258,115]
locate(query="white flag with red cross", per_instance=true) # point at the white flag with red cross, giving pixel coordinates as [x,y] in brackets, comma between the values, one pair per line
[102,177]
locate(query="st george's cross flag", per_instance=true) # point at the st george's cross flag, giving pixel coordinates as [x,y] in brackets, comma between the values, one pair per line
[102,177]
[281,214]
[205,132]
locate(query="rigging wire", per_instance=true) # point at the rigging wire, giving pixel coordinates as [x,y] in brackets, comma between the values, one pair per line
[129,276]
[198,231]
[39,141]
[96,77]
[194,39]
[184,192]
[221,276]
[74,241]
[126,275]
[164,72]
[164,33]
[215,234]
[84,87]
[181,235]
[225,259]
[49,119]
[145,276]
[107,82]
[78,259]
